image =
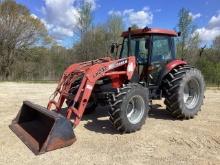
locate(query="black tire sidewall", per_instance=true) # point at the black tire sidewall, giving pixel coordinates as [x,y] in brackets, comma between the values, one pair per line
[196,75]
[140,92]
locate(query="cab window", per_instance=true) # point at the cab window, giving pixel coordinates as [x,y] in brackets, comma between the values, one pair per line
[161,49]
[137,48]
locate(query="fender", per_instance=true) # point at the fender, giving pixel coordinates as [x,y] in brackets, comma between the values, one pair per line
[170,66]
[173,64]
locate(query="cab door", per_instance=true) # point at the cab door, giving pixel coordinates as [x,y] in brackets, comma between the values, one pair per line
[163,51]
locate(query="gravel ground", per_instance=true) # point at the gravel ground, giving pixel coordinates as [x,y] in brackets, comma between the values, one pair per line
[162,140]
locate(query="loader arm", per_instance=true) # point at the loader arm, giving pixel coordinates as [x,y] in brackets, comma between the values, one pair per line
[89,72]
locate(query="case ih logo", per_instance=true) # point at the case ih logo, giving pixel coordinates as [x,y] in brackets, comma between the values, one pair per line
[100,71]
[119,63]
[110,67]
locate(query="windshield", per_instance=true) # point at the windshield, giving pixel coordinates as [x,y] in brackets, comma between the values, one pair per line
[138,49]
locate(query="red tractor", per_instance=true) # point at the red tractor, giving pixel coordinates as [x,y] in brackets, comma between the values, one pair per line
[146,69]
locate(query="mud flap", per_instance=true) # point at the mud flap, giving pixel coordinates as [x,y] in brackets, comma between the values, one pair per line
[42,130]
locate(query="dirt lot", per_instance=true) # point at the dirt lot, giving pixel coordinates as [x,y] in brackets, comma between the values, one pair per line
[162,140]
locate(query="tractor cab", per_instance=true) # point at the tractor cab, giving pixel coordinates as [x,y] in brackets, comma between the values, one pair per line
[153,49]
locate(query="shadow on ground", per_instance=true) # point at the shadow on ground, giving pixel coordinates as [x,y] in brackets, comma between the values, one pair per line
[157,112]
[99,120]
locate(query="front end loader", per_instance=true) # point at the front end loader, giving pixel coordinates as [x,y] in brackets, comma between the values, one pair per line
[44,130]
[146,70]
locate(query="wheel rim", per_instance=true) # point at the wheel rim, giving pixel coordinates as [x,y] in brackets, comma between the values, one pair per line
[191,94]
[135,109]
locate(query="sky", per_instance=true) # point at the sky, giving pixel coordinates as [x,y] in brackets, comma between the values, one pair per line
[60,16]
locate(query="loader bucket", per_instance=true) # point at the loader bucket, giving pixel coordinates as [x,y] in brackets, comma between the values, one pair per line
[42,130]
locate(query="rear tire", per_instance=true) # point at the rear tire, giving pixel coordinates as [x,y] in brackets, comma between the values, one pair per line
[129,108]
[184,90]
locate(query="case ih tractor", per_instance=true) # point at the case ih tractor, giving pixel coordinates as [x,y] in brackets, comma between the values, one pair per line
[146,69]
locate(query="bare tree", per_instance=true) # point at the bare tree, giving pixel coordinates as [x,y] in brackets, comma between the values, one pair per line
[115,26]
[187,28]
[19,30]
[85,18]
[84,25]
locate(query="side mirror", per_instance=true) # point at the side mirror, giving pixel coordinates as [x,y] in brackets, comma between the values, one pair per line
[112,48]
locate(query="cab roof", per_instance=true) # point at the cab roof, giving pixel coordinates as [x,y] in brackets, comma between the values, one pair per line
[145,31]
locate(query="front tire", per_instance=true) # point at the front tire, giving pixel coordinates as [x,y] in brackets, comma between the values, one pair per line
[129,108]
[184,92]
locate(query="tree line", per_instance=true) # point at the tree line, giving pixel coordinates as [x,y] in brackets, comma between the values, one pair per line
[28,52]
[206,57]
